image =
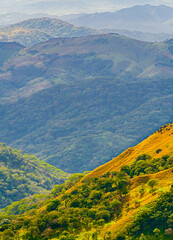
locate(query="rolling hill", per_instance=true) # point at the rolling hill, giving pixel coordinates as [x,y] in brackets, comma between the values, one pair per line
[25,175]
[131,196]
[33,31]
[76,103]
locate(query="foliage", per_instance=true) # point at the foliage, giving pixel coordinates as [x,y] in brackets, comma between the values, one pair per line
[118,87]
[154,219]
[145,164]
[92,204]
[24,175]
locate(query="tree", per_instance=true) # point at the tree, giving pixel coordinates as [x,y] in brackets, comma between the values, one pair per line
[152,183]
[142,237]
[95,235]
[156,231]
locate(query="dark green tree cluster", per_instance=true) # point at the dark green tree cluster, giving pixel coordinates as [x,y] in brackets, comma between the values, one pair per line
[92,204]
[145,164]
[155,221]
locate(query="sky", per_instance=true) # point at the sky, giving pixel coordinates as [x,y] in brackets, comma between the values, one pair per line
[60,7]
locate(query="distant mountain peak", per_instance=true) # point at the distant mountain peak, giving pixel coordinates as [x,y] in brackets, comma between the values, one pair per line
[36,30]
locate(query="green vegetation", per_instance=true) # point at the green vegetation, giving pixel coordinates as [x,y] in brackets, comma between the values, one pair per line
[145,164]
[24,175]
[154,221]
[76,103]
[94,203]
[70,210]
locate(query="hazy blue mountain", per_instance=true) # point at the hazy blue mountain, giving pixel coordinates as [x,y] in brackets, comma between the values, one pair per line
[147,18]
[75,6]
[142,36]
[77,102]
[33,31]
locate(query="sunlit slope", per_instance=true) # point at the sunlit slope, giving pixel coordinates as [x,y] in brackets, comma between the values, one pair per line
[158,144]
[125,197]
[164,180]
[33,31]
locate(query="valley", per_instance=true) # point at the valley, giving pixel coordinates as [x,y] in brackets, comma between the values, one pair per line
[76,103]
[86,131]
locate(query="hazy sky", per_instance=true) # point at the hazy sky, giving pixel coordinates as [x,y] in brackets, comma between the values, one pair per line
[72,6]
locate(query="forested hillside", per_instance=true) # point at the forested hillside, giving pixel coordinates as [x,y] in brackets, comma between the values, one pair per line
[134,201]
[24,175]
[33,31]
[76,103]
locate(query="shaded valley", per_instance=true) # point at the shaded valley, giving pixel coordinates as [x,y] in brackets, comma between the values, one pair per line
[76,103]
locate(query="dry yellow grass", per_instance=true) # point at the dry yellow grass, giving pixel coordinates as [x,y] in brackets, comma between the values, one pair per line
[165,180]
[162,139]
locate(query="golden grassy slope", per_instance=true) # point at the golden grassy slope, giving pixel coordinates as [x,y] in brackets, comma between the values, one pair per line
[134,201]
[161,139]
[164,179]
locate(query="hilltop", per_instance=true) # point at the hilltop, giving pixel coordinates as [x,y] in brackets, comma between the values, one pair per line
[126,199]
[33,31]
[75,103]
[23,175]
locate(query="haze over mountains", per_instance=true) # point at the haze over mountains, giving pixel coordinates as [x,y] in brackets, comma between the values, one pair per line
[77,102]
[71,6]
[77,97]
[147,18]
[146,23]
[33,31]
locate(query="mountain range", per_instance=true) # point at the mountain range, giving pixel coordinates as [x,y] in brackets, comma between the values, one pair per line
[142,22]
[75,103]
[146,18]
[64,7]
[130,196]
[79,100]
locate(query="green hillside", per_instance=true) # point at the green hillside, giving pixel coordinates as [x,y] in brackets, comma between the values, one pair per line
[22,175]
[134,202]
[76,103]
[8,50]
[33,31]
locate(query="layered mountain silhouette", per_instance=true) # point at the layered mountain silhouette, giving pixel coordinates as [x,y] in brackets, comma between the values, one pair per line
[144,18]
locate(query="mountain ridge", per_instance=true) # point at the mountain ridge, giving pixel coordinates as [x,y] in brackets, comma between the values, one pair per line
[145,146]
[144,18]
[93,93]
[33,31]
[110,204]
